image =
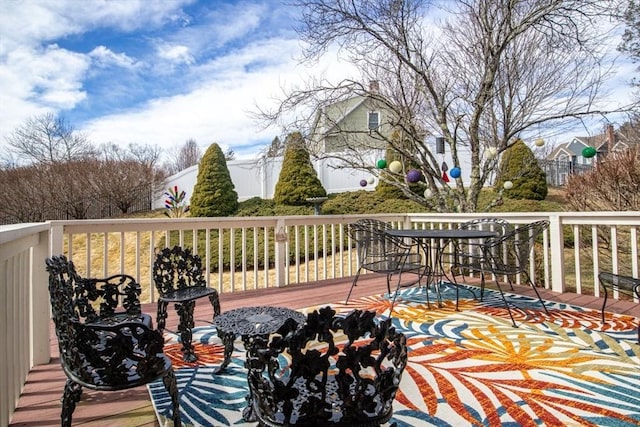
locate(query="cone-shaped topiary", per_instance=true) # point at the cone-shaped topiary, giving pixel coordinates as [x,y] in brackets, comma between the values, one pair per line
[214,193]
[298,180]
[519,165]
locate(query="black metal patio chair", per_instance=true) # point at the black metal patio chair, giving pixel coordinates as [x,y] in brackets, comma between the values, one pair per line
[625,285]
[106,343]
[333,370]
[179,279]
[378,252]
[467,255]
[507,255]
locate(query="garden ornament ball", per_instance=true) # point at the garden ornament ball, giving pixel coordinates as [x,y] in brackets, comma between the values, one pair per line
[455,172]
[428,193]
[381,164]
[395,166]
[539,142]
[413,176]
[508,185]
[372,180]
[588,152]
[363,183]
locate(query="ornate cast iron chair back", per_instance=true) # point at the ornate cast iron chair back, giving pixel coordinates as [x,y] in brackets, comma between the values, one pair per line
[105,341]
[334,370]
[179,279]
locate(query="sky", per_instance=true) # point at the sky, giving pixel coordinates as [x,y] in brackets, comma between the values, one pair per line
[159,72]
[155,72]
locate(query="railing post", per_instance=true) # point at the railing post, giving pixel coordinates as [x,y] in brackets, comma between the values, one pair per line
[40,345]
[556,244]
[281,253]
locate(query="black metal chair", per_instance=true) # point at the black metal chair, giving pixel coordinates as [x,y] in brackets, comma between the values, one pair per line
[333,370]
[179,279]
[625,285]
[467,255]
[106,343]
[379,252]
[507,255]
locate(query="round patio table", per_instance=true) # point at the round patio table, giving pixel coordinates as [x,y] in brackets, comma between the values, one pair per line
[441,238]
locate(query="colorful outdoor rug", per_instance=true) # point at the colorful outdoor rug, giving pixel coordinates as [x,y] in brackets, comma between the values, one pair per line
[470,367]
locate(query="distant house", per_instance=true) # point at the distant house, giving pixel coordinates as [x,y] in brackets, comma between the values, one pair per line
[360,122]
[568,158]
[358,127]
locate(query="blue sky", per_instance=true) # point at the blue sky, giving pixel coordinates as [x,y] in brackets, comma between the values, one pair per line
[160,72]
[149,71]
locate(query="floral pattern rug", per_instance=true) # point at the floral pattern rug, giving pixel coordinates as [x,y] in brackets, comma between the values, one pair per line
[467,367]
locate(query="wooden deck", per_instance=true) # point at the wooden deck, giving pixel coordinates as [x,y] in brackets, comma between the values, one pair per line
[39,403]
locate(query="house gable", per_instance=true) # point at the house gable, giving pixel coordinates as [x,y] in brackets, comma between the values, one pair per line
[346,125]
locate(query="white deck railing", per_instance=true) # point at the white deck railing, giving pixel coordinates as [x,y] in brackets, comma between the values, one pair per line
[574,249]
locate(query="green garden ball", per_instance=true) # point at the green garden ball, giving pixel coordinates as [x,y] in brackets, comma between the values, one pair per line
[589,152]
[382,163]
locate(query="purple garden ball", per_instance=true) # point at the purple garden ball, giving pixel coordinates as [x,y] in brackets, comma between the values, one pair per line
[363,183]
[413,176]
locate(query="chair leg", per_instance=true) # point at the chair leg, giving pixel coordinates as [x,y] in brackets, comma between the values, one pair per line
[215,303]
[506,304]
[535,289]
[171,384]
[70,396]
[455,283]
[355,279]
[185,326]
[161,317]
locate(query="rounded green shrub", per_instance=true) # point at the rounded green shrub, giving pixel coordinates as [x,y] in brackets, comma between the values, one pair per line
[519,165]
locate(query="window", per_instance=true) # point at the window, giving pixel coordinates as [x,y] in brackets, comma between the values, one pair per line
[374,120]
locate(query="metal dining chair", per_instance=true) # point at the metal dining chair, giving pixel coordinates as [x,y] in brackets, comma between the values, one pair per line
[626,285]
[507,256]
[106,342]
[379,252]
[467,255]
[179,279]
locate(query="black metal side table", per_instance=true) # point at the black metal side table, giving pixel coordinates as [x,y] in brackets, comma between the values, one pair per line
[249,322]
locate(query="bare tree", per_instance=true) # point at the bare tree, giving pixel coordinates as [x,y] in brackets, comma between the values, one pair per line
[125,175]
[48,138]
[488,73]
[187,155]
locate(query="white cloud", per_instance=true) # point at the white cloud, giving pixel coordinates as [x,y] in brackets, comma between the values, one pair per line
[104,57]
[175,54]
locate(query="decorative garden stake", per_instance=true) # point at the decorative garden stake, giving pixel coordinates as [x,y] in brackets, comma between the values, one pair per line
[175,204]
